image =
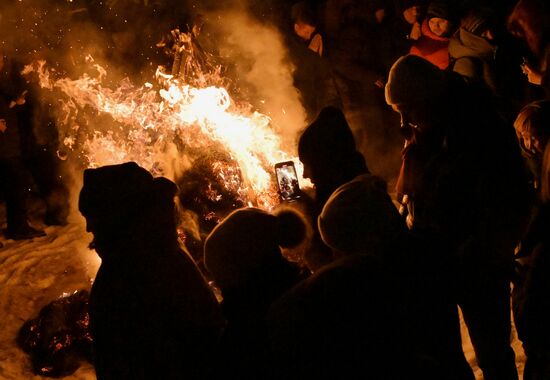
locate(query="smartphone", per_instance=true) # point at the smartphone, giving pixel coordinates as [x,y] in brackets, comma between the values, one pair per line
[287,181]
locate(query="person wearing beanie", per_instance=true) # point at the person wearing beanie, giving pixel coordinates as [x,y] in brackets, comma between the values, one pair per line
[152,314]
[359,315]
[463,186]
[243,255]
[436,29]
[328,152]
[359,215]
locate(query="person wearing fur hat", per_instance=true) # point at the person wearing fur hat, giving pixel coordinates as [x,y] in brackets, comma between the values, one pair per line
[436,29]
[152,314]
[465,188]
[243,255]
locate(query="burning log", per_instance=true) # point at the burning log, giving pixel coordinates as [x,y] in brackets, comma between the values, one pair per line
[211,189]
[58,340]
[192,64]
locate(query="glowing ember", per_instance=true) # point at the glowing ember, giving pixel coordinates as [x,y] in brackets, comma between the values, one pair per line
[165,129]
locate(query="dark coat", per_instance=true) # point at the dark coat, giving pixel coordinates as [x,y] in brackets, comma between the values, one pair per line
[243,351]
[342,322]
[472,56]
[313,78]
[152,315]
[532,292]
[467,182]
[10,140]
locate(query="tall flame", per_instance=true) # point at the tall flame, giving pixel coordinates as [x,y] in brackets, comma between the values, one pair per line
[157,127]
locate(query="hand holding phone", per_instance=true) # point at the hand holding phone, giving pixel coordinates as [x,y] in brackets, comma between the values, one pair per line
[287,181]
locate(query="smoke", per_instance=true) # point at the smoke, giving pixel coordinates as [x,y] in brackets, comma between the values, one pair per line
[123,38]
[257,51]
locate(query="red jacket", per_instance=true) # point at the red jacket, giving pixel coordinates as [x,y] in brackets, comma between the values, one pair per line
[432,47]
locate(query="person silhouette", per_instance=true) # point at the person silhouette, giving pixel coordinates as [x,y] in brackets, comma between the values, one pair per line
[152,314]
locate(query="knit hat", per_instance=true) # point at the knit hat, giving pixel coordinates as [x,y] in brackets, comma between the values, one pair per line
[358,212]
[302,12]
[413,79]
[328,137]
[117,188]
[440,9]
[247,243]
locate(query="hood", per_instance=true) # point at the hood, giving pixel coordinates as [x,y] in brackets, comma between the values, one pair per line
[467,44]
[427,32]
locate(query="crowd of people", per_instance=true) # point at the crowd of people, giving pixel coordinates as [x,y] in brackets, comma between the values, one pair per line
[383,272]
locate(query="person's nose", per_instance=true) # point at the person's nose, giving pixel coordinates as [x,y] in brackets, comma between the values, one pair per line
[89,225]
[307,172]
[404,120]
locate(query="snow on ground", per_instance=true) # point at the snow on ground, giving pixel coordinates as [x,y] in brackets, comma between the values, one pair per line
[32,274]
[35,272]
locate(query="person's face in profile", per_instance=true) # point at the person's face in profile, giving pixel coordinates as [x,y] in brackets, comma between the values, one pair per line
[93,226]
[413,119]
[315,172]
[308,172]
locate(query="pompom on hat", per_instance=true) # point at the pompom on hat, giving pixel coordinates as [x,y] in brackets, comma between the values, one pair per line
[247,243]
[357,213]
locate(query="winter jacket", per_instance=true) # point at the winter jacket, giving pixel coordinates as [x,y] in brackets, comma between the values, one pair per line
[432,47]
[472,56]
[467,183]
[345,321]
[152,315]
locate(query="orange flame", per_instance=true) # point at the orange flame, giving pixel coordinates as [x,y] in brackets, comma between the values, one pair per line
[146,124]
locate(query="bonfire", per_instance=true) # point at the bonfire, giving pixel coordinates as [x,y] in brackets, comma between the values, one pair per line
[185,127]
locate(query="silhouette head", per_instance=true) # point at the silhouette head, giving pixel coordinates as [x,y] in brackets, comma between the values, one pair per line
[118,200]
[246,246]
[441,17]
[360,215]
[327,150]
[418,91]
